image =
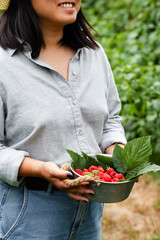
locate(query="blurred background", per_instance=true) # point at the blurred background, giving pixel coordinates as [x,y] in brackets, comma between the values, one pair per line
[129,31]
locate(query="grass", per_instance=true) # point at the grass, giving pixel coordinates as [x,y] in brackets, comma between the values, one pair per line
[136,218]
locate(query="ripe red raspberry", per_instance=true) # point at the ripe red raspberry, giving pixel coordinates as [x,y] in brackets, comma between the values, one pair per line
[85,170]
[100,169]
[92,168]
[112,174]
[78,171]
[100,174]
[118,175]
[115,180]
[109,170]
[107,178]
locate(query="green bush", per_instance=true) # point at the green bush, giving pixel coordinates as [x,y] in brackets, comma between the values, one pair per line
[129,32]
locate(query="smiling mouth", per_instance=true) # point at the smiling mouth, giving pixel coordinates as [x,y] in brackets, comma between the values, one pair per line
[66,5]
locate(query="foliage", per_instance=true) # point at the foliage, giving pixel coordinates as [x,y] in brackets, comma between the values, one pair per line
[129,32]
[132,161]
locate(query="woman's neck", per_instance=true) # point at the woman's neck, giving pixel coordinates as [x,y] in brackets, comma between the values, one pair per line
[51,34]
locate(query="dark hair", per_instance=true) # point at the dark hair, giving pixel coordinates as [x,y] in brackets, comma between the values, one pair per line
[20,22]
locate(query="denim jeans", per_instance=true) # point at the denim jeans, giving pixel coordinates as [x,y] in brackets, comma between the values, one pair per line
[35,215]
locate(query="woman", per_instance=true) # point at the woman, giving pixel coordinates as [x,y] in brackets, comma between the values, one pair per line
[57,92]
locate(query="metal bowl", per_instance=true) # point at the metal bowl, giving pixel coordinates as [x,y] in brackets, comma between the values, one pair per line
[109,192]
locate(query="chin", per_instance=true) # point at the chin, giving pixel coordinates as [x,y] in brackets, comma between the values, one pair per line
[68,21]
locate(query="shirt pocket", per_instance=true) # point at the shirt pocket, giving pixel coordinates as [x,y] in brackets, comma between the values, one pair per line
[13,203]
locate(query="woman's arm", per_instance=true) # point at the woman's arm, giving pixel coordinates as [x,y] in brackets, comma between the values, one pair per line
[51,172]
[10,159]
[113,131]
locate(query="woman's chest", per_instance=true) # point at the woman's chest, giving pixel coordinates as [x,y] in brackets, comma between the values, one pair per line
[55,101]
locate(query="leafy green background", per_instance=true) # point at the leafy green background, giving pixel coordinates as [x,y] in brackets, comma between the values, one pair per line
[129,31]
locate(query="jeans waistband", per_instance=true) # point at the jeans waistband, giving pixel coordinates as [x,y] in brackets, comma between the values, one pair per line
[35,183]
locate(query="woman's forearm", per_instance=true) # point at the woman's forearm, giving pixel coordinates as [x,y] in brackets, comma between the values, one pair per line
[31,167]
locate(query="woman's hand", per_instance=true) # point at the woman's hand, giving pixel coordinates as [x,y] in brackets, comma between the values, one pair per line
[51,172]
[55,175]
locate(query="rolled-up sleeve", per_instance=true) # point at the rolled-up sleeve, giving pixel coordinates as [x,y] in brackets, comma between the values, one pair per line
[113,131]
[10,159]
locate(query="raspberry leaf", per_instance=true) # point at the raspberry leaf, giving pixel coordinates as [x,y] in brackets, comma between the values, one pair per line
[95,172]
[134,154]
[134,172]
[97,177]
[89,160]
[137,152]
[104,161]
[77,160]
[149,168]
[118,156]
[89,174]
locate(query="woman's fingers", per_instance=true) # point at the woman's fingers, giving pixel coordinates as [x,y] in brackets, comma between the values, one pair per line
[58,183]
[78,197]
[51,170]
[80,190]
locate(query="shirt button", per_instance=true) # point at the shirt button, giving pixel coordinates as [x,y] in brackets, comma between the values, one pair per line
[74,102]
[74,73]
[80,132]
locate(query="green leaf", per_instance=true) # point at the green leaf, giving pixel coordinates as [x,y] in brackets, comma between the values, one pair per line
[95,172]
[82,163]
[89,160]
[137,152]
[75,158]
[122,180]
[118,156]
[134,172]
[97,177]
[149,168]
[142,169]
[89,174]
[104,161]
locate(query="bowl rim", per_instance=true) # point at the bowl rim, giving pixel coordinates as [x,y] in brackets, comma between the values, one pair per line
[97,181]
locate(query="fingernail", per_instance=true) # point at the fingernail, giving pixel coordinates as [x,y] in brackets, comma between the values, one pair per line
[70,176]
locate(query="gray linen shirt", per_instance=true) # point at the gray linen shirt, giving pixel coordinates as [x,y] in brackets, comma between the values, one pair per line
[42,114]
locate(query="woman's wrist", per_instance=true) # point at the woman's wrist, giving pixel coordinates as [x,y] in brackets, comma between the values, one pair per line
[31,167]
[110,149]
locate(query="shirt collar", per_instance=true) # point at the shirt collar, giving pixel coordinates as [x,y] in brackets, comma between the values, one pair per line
[11,51]
[26,47]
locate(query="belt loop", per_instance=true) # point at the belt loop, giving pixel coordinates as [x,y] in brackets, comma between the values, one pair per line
[49,189]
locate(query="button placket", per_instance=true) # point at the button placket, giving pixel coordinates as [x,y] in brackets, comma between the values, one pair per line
[74,74]
[69,91]
[80,132]
[74,102]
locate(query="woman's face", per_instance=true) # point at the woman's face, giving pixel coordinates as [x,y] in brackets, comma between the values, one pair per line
[59,12]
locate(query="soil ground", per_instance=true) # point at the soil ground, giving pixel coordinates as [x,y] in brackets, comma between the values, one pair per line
[136,218]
